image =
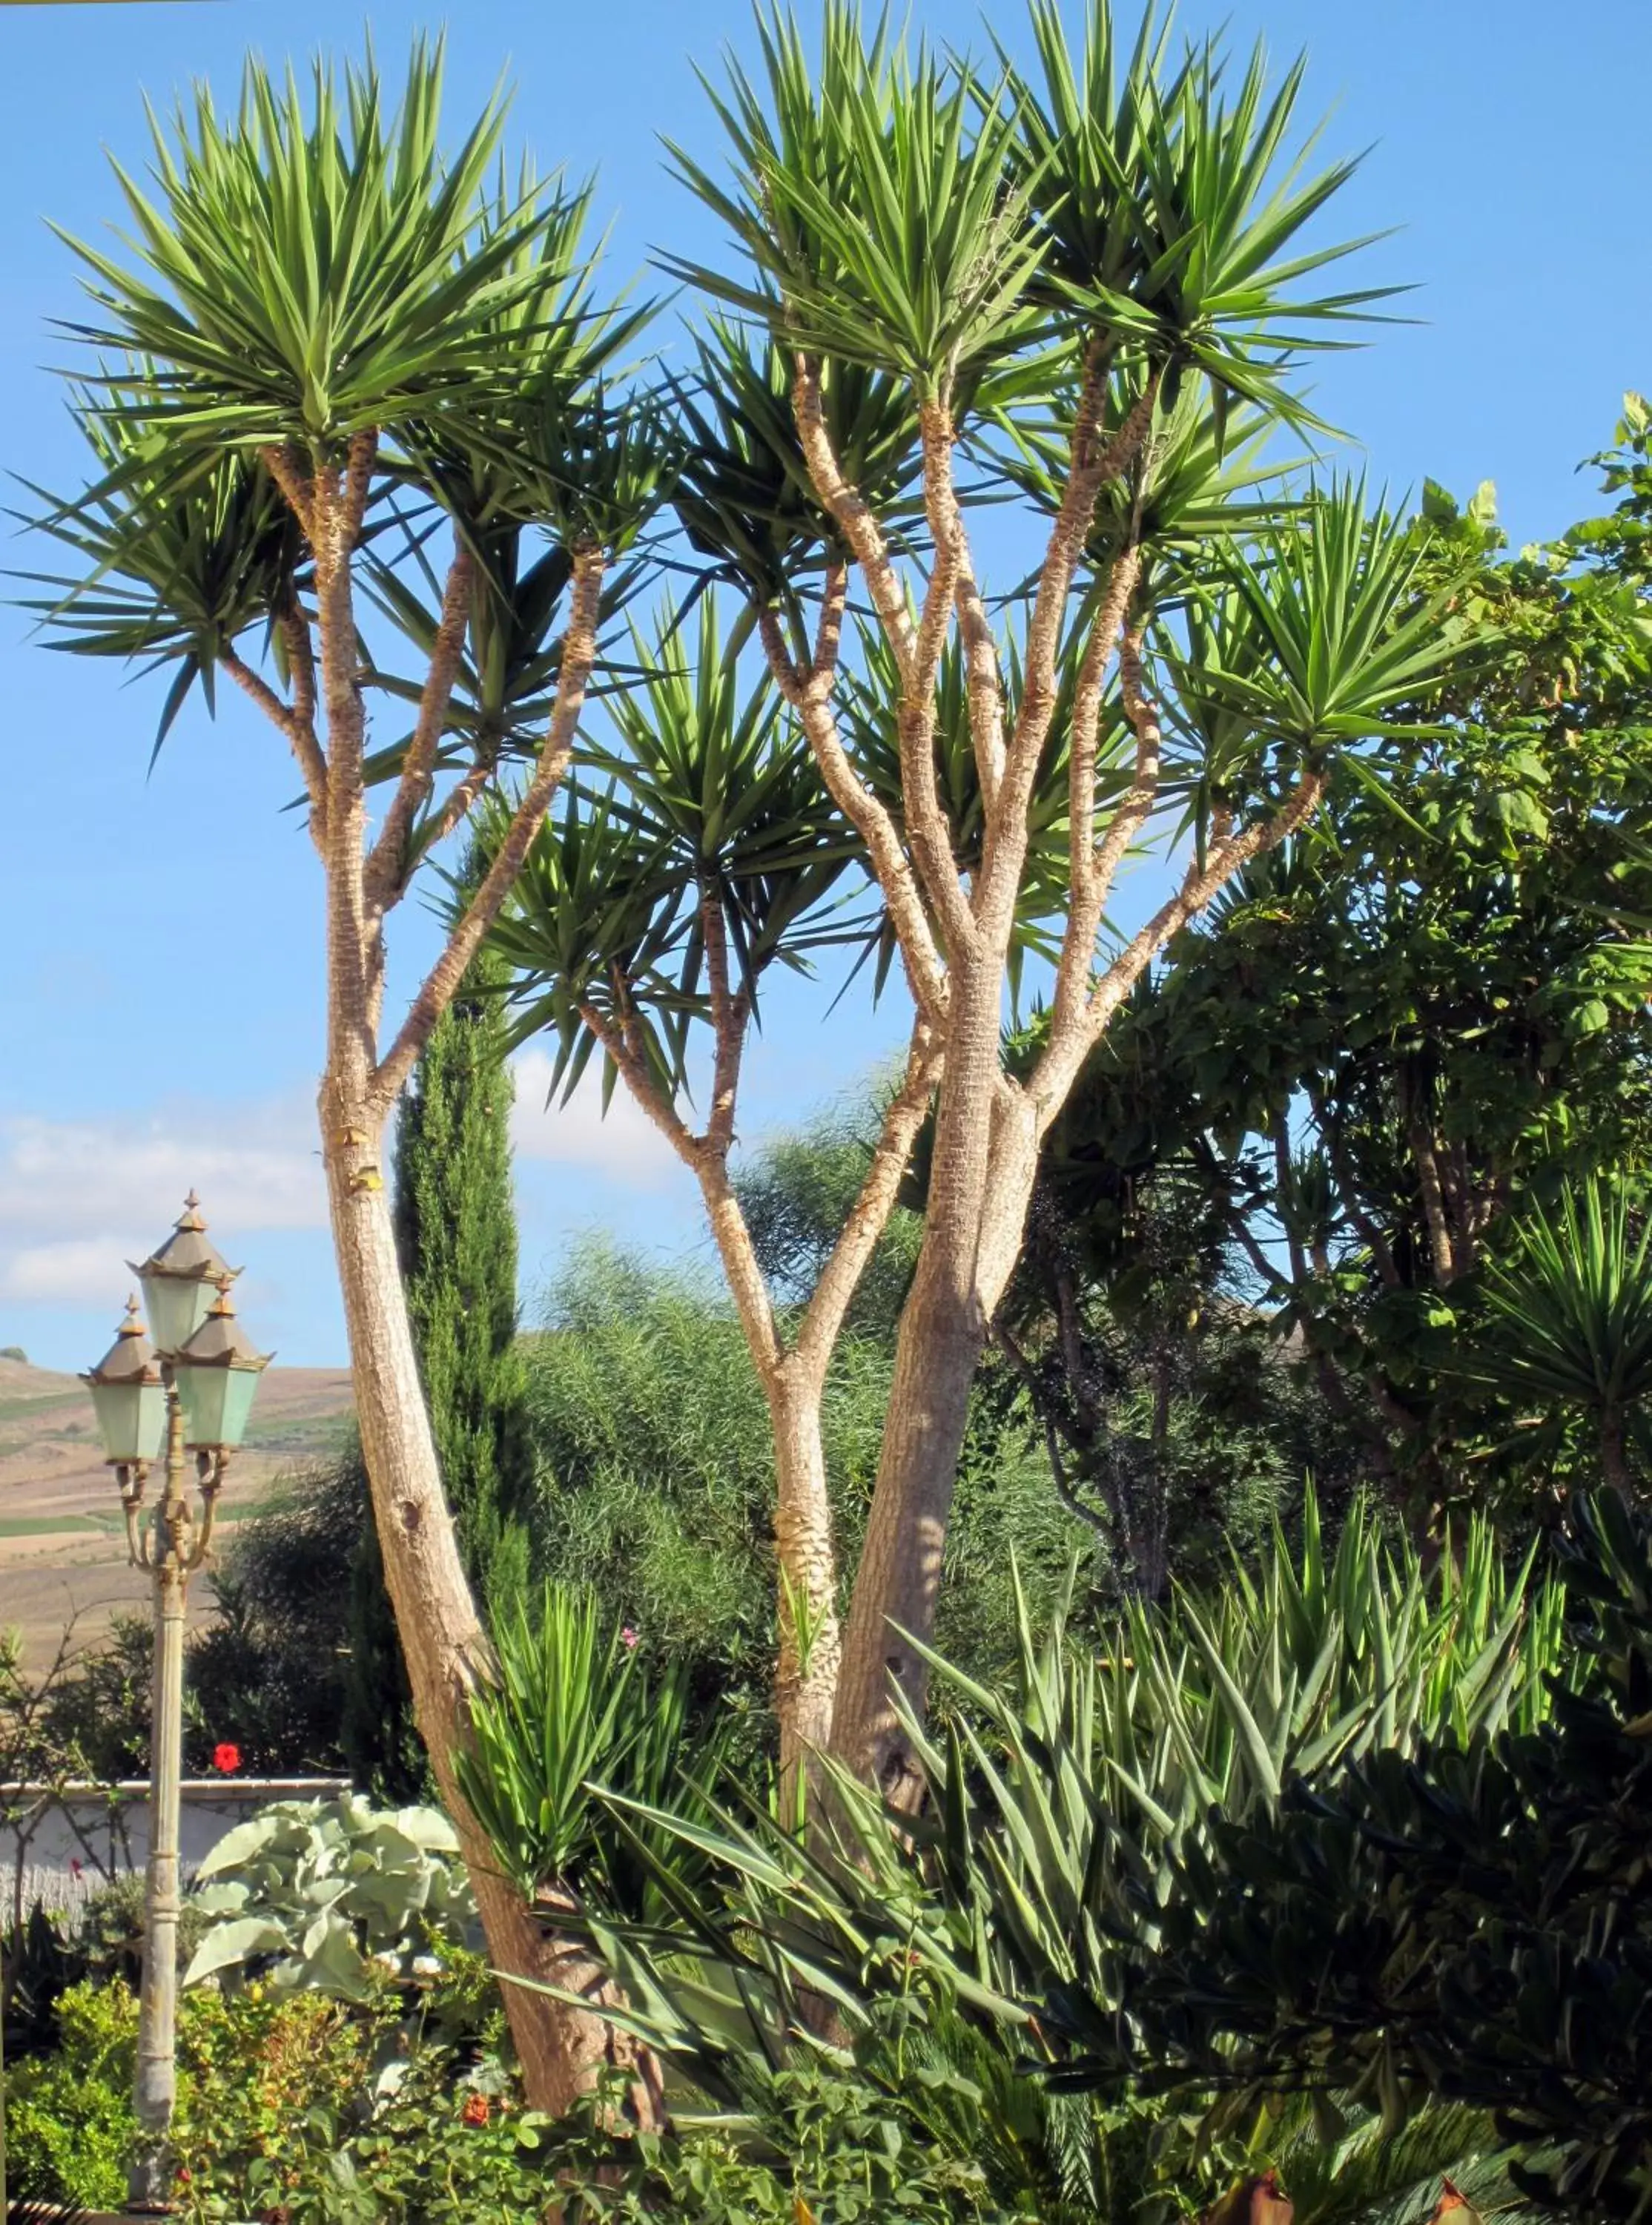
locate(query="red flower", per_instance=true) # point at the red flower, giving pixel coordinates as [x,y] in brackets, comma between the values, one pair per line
[226,1758]
[476,2110]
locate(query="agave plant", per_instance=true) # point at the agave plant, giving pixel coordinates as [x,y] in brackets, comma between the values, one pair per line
[1053,1805]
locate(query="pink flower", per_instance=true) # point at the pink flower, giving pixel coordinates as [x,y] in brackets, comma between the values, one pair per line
[628,1639]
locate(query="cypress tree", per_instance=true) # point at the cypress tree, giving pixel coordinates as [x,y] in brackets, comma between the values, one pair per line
[456,1230]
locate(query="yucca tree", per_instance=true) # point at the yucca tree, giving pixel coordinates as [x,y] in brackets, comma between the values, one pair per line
[1570,1317]
[327,342]
[1091,278]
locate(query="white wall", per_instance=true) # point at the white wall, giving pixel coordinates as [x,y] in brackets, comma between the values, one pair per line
[72,1843]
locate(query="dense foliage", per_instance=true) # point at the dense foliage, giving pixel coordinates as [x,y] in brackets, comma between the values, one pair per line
[656,1477]
[1085,1784]
[1393,1039]
[1283,1800]
[1470,1920]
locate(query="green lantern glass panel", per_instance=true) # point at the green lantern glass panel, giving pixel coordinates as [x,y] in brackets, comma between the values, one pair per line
[131,1419]
[177,1304]
[216,1404]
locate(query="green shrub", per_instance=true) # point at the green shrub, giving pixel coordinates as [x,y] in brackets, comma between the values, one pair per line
[69,2121]
[657,1489]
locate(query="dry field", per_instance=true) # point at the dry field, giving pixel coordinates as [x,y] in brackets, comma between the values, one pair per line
[62,1546]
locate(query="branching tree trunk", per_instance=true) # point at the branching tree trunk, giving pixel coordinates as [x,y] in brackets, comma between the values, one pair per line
[791,1365]
[908,240]
[955,940]
[443,1641]
[394,333]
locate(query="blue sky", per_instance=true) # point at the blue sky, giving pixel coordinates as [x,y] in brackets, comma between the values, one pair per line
[159,937]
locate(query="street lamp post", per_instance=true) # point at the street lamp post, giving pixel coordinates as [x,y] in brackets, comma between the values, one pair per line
[190,1390]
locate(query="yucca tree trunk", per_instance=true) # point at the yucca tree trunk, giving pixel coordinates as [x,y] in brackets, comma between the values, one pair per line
[1614,1448]
[811,1640]
[562,2051]
[980,1191]
[793,1385]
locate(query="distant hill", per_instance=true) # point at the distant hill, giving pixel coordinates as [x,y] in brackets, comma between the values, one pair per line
[62,1546]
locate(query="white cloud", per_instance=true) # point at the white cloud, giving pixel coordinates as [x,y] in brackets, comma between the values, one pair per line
[623,1144]
[79,1198]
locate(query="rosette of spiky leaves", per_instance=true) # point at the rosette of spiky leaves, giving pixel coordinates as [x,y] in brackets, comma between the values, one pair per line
[870,697]
[175,571]
[1217,202]
[575,1707]
[1079,146]
[1315,635]
[1569,1314]
[557,458]
[714,800]
[743,496]
[1192,480]
[592,925]
[557,441]
[306,269]
[1081,1785]
[874,198]
[1190,483]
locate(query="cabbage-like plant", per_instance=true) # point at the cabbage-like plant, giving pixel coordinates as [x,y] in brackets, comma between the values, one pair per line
[332,1894]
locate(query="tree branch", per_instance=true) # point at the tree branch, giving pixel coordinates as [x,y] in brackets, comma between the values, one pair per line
[1089,469]
[358,481]
[850,514]
[731,1011]
[1092,866]
[891,867]
[299,731]
[709,1165]
[869,1216]
[578,656]
[286,467]
[1336,1147]
[633,1072]
[928,832]
[1441,1254]
[1283,1186]
[1058,1066]
[1245,1236]
[387,877]
[301,661]
[983,680]
[461,798]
